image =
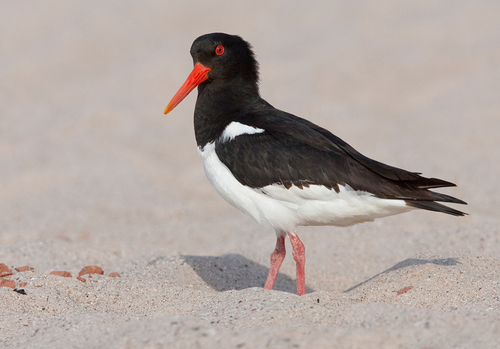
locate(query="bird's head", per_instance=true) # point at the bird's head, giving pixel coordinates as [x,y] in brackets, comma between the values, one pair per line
[218,57]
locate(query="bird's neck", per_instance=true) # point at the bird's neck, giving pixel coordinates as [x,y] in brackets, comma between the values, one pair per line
[218,104]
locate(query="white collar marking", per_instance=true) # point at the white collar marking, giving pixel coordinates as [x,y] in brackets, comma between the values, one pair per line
[235,129]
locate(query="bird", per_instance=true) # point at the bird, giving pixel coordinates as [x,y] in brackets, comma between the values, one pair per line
[282,170]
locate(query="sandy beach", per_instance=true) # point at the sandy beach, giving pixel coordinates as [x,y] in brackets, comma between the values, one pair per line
[93,173]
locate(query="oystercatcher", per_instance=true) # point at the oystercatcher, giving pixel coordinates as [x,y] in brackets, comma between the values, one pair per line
[280,169]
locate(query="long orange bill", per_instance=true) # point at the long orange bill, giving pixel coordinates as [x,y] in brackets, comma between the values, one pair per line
[197,76]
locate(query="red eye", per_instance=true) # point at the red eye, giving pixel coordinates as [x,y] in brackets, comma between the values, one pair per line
[219,50]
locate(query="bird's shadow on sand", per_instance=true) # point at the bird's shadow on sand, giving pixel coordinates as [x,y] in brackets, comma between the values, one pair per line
[235,272]
[406,263]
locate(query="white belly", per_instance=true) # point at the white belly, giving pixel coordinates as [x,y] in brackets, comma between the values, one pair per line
[284,209]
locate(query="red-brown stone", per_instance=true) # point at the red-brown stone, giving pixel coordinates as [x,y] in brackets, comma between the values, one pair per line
[91,269]
[4,270]
[7,283]
[404,290]
[23,269]
[64,273]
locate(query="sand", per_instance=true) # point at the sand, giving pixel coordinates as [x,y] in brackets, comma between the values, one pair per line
[92,173]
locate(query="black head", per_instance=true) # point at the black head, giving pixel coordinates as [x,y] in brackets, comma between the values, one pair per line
[228,57]
[227,63]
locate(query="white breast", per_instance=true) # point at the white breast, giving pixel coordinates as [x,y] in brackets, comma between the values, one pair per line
[284,209]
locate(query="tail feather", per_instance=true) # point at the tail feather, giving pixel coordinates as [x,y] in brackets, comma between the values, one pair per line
[437,207]
[430,183]
[447,198]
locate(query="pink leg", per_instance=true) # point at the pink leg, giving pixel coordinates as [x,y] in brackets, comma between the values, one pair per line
[299,255]
[276,259]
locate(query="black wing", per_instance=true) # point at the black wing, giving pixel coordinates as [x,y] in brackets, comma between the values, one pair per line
[294,151]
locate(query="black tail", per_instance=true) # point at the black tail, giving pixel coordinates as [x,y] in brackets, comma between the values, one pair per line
[437,207]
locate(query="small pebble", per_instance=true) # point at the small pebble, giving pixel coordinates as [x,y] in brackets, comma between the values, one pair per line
[61,273]
[404,290]
[91,269]
[7,283]
[23,269]
[4,270]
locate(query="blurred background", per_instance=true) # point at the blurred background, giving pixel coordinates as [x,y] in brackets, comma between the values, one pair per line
[91,169]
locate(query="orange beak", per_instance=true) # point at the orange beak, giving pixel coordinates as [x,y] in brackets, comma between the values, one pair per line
[197,76]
